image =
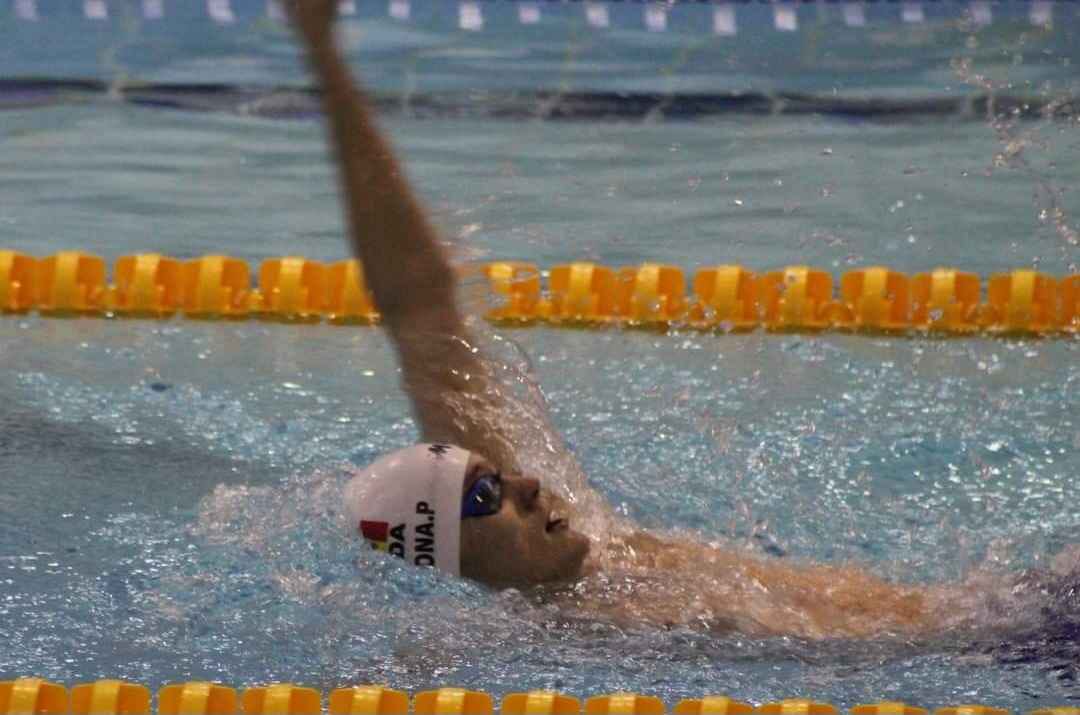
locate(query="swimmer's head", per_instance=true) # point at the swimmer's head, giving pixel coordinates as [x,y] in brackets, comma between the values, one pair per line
[442,506]
[528,540]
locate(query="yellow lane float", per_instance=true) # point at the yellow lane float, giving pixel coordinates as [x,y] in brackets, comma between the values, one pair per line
[797,298]
[34,696]
[581,293]
[540,702]
[368,700]
[18,281]
[70,283]
[888,707]
[624,704]
[148,285]
[197,698]
[110,696]
[945,300]
[726,296]
[452,701]
[797,706]
[712,705]
[216,287]
[722,298]
[282,699]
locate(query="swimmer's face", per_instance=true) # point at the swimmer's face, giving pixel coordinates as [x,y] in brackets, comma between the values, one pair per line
[528,541]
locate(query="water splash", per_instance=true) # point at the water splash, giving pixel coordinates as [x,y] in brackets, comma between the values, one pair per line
[1018,138]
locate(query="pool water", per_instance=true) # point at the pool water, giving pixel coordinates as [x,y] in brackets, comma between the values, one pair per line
[169,508]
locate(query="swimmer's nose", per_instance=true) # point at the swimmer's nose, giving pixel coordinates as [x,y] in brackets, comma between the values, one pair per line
[529,493]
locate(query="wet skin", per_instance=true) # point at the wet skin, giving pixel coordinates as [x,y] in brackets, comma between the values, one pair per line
[528,541]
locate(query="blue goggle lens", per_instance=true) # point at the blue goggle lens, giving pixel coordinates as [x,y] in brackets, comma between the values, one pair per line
[484,497]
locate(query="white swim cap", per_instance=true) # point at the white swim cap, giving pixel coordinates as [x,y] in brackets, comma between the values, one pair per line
[408,503]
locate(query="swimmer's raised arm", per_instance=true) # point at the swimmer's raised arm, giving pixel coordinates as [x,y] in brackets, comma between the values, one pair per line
[407,270]
[388,228]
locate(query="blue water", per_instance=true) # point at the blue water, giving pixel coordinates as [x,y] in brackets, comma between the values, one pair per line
[168,489]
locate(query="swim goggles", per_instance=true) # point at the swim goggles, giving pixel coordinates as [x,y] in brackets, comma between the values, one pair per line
[484,497]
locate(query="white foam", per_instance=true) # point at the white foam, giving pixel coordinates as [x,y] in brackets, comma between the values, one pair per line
[470,17]
[912,13]
[723,20]
[274,10]
[400,9]
[153,9]
[596,14]
[95,10]
[26,10]
[220,11]
[656,18]
[1041,13]
[981,13]
[855,14]
[785,18]
[528,13]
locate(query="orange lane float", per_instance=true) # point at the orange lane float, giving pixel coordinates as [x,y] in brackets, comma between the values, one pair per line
[70,283]
[282,699]
[291,288]
[874,299]
[18,281]
[34,696]
[1023,301]
[110,696]
[368,700]
[797,298]
[797,706]
[724,298]
[348,299]
[1070,304]
[945,300]
[651,294]
[727,296]
[145,285]
[888,707]
[624,704]
[515,287]
[540,702]
[216,287]
[452,701]
[712,705]
[582,292]
[971,710]
[197,698]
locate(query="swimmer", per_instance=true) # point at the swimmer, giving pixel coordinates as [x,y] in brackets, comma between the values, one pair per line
[460,502]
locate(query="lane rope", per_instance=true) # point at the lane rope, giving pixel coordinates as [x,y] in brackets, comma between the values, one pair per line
[113,697]
[722,298]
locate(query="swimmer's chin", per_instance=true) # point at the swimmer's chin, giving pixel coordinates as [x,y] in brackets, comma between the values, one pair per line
[560,558]
[580,563]
[570,564]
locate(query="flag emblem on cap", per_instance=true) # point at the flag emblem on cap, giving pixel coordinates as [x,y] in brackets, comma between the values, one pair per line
[377,532]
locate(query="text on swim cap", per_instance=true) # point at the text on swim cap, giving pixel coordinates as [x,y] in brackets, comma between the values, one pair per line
[425,536]
[383,537]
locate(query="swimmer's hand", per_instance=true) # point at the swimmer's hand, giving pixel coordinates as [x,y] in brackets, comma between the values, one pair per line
[313,19]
